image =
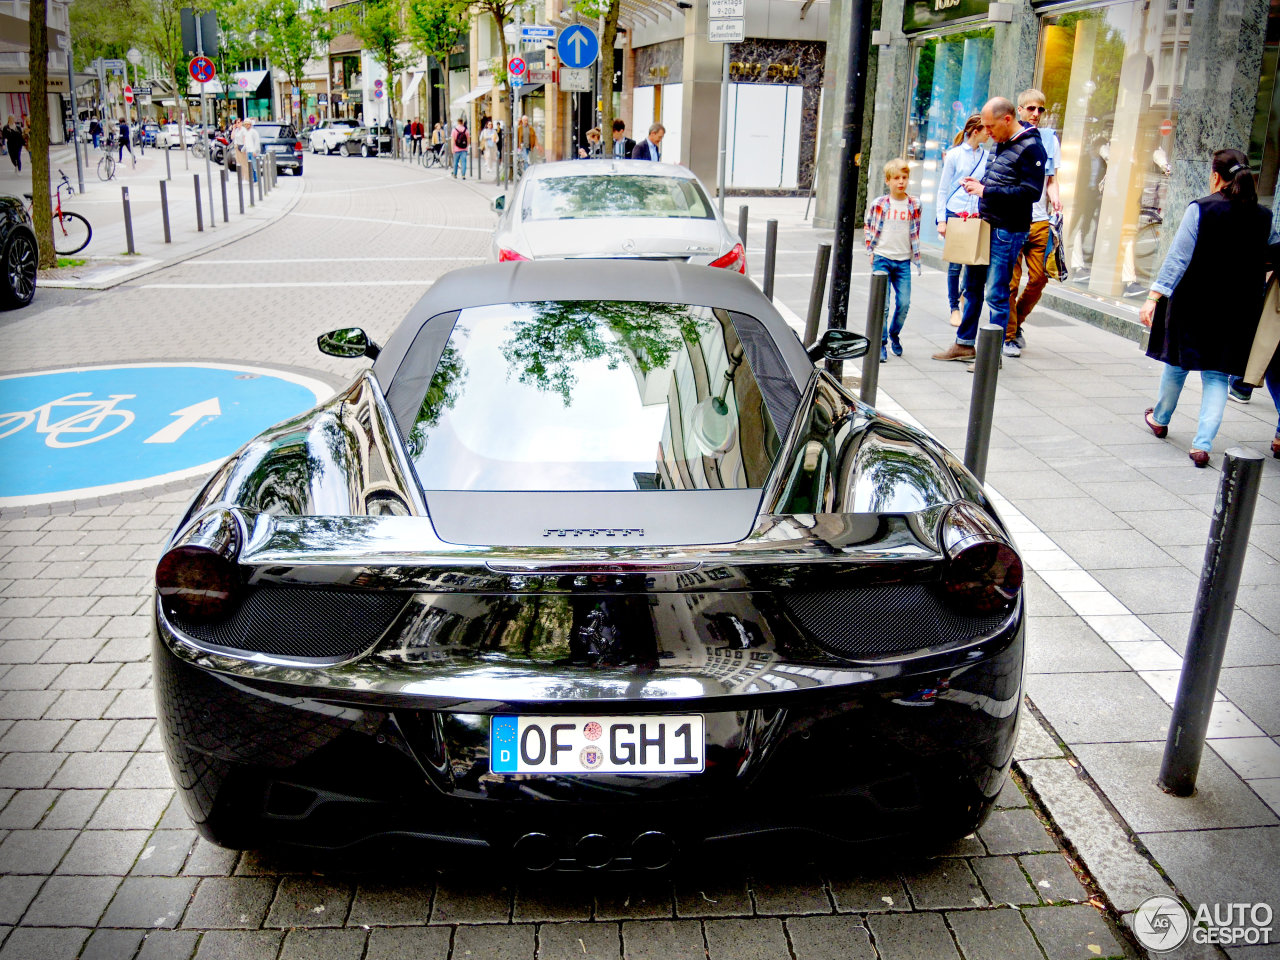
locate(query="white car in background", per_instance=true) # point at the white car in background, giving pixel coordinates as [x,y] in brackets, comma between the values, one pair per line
[330,133]
[614,210]
[169,136]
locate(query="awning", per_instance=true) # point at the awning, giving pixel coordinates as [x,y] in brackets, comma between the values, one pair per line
[471,95]
[244,83]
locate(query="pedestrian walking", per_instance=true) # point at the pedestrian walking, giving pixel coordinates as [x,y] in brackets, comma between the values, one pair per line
[460,142]
[95,132]
[437,141]
[1242,392]
[488,148]
[966,158]
[237,144]
[13,142]
[1035,252]
[252,147]
[1010,184]
[650,148]
[526,138]
[416,133]
[622,144]
[125,142]
[893,244]
[1204,305]
[593,149]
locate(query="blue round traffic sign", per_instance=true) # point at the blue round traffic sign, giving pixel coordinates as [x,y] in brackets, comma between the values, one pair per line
[202,70]
[98,430]
[577,47]
[516,67]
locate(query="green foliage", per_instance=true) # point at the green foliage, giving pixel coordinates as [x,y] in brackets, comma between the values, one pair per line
[435,27]
[101,28]
[292,32]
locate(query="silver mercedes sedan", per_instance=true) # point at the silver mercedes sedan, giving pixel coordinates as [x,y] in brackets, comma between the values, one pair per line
[614,209]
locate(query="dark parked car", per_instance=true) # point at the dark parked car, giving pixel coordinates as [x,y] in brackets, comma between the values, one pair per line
[366,141]
[280,141]
[590,568]
[19,255]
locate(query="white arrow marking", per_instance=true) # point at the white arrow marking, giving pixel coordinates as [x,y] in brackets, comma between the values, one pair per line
[577,41]
[188,417]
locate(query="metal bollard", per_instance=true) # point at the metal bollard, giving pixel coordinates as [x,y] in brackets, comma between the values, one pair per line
[164,211]
[261,185]
[168,173]
[247,167]
[226,212]
[875,334]
[742,228]
[982,400]
[199,208]
[128,220]
[240,191]
[1211,620]
[816,293]
[770,255]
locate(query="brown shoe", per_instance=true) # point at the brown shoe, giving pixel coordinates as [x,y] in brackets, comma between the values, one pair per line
[955,318]
[1200,458]
[1275,446]
[1160,430]
[957,351]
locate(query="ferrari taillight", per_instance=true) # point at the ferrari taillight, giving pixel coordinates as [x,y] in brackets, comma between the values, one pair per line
[983,573]
[506,256]
[735,259]
[198,578]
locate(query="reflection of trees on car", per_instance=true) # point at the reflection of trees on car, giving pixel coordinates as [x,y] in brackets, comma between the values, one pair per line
[446,387]
[545,349]
[585,198]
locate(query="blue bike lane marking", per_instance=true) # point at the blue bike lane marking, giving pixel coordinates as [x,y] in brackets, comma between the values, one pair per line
[93,431]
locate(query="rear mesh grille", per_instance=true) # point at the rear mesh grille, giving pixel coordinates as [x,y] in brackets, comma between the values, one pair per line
[886,619]
[301,622]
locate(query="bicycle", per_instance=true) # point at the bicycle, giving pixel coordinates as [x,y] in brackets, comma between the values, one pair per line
[107,164]
[433,156]
[71,231]
[86,424]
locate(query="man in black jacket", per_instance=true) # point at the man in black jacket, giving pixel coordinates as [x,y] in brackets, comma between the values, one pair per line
[622,144]
[1013,182]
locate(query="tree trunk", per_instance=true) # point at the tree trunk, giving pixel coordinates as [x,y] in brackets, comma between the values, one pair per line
[608,36]
[508,120]
[38,147]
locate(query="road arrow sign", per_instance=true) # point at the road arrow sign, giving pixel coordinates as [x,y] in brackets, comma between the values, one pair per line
[188,417]
[578,47]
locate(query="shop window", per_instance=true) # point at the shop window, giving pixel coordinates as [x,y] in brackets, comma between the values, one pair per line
[1264,144]
[1112,86]
[950,82]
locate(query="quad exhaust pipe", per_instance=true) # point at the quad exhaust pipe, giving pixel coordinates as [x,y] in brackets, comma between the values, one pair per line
[651,850]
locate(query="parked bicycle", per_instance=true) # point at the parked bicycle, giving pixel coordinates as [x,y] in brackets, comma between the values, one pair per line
[71,231]
[107,163]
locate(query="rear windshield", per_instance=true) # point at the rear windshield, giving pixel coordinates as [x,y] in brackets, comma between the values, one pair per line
[594,198]
[272,131]
[594,395]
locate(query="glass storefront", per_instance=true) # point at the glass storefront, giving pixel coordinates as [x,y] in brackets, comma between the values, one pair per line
[951,75]
[1112,78]
[1264,144]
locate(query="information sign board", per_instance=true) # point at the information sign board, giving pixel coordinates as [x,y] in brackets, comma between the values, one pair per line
[726,9]
[538,31]
[575,81]
[726,31]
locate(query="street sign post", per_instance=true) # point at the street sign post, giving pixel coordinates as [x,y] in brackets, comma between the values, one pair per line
[202,70]
[516,67]
[577,47]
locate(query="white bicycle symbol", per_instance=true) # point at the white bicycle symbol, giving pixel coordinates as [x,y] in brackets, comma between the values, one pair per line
[85,424]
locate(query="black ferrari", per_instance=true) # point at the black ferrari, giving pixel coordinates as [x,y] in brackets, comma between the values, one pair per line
[592,568]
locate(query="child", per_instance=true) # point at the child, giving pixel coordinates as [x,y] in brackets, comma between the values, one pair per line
[893,244]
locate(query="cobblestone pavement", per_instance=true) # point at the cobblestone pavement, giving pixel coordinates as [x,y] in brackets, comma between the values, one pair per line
[97,860]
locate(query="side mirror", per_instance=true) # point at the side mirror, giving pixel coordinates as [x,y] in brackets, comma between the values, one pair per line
[498,203]
[348,343]
[839,345]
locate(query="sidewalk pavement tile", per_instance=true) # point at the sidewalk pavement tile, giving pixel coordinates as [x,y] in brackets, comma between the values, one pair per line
[324,945]
[460,900]
[1073,933]
[1099,707]
[829,938]
[1254,758]
[207,860]
[1003,880]
[875,889]
[111,944]
[1011,796]
[552,898]
[1033,741]
[937,884]
[165,853]
[408,943]
[104,852]
[230,902]
[1067,645]
[85,736]
[16,894]
[72,902]
[494,942]
[26,808]
[1053,878]
[662,940]
[240,945]
[713,896]
[1222,866]
[34,851]
[751,939]
[309,902]
[784,892]
[1253,689]
[44,943]
[393,904]
[1170,589]
[1101,843]
[168,945]
[93,770]
[993,935]
[1015,831]
[911,936]
[131,809]
[579,941]
[150,902]
[631,897]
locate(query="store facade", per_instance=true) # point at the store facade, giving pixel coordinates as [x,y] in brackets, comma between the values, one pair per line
[1139,92]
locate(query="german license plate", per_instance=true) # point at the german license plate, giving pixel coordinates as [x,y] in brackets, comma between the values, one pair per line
[670,744]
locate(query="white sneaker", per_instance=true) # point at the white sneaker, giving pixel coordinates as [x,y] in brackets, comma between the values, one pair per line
[1011,349]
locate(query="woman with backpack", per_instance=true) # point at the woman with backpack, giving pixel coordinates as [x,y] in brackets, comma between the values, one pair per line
[460,142]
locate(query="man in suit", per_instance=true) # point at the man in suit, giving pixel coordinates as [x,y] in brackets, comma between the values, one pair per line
[622,144]
[648,148]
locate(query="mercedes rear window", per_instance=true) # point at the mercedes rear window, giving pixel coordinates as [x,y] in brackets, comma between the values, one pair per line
[601,197]
[597,396]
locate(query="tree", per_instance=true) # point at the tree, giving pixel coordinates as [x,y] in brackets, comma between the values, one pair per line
[101,28]
[435,27]
[159,30]
[292,31]
[238,40]
[38,147]
[379,26]
[606,11]
[501,11]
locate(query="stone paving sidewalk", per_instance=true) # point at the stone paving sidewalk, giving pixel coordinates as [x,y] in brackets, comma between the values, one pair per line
[97,860]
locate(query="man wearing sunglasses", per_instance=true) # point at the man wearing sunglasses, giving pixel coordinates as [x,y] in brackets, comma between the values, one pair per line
[1035,250]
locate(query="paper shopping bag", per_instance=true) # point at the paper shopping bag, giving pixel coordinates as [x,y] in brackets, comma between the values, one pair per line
[968,241]
[1267,339]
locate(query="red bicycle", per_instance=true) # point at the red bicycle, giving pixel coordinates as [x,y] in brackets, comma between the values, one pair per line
[71,231]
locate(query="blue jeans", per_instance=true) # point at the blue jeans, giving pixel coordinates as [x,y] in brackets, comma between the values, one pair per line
[1213,400]
[953,277]
[459,162]
[252,160]
[1006,245]
[899,274]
